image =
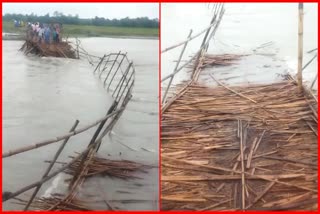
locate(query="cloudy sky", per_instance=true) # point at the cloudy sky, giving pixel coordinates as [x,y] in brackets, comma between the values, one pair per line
[86,10]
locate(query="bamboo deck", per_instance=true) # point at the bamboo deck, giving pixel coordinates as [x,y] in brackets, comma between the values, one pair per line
[239,148]
[61,49]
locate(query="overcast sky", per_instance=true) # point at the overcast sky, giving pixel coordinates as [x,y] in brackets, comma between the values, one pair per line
[86,10]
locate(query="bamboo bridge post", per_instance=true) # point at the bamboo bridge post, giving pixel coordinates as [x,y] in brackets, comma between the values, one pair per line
[105,66]
[207,33]
[114,62]
[122,79]
[124,56]
[176,67]
[51,165]
[132,74]
[102,58]
[314,81]
[93,139]
[77,41]
[300,47]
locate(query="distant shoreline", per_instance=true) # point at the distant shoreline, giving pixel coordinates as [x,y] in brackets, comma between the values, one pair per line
[20,37]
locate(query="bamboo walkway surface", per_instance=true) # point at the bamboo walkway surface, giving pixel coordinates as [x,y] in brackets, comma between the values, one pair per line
[250,147]
[61,49]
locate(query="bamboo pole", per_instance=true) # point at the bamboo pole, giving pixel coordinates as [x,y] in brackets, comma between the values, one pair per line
[314,81]
[300,47]
[111,68]
[51,165]
[306,65]
[182,66]
[105,66]
[230,89]
[99,63]
[176,67]
[122,78]
[187,40]
[93,139]
[56,139]
[26,188]
[243,200]
[127,84]
[119,65]
[78,48]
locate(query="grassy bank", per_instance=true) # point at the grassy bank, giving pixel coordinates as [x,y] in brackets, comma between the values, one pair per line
[90,31]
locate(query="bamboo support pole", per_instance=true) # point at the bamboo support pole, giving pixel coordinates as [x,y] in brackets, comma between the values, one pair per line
[105,66]
[127,84]
[111,68]
[206,46]
[306,65]
[26,188]
[116,70]
[121,80]
[187,40]
[176,67]
[93,139]
[99,63]
[207,33]
[314,81]
[300,47]
[51,165]
[77,40]
[243,184]
[181,67]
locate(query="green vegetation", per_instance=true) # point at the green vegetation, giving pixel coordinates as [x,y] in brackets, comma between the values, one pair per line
[97,26]
[143,22]
[89,30]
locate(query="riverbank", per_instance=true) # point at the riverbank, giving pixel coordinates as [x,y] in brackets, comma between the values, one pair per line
[91,31]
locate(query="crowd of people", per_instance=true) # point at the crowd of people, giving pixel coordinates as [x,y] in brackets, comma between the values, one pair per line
[44,33]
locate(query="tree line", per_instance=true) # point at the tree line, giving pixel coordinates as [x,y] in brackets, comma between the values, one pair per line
[143,22]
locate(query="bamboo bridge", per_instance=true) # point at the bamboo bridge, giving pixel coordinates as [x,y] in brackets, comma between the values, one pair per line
[245,147]
[117,74]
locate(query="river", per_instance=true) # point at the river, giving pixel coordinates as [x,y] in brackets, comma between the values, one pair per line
[42,97]
[244,27]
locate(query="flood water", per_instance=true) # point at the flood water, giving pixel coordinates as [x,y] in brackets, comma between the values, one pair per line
[42,97]
[244,27]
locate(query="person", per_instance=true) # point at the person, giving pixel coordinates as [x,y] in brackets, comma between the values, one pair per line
[41,34]
[47,35]
[29,31]
[54,35]
[58,32]
[33,30]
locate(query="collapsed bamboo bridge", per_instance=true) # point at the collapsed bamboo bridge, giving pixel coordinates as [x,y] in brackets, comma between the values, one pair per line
[244,147]
[117,74]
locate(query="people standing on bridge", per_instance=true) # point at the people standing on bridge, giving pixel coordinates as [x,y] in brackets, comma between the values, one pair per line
[41,34]
[54,35]
[58,32]
[33,29]
[47,35]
